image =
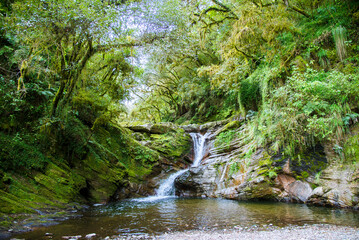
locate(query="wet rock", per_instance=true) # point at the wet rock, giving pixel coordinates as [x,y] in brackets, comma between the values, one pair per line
[228,174]
[258,190]
[91,235]
[72,237]
[191,183]
[284,181]
[213,125]
[210,126]
[317,192]
[340,197]
[300,190]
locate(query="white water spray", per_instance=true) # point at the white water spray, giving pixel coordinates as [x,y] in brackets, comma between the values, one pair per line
[167,188]
[199,148]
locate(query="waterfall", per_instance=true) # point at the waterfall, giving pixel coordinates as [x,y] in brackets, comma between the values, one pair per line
[199,149]
[167,188]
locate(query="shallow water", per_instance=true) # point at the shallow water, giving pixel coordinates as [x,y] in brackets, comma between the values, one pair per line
[137,217]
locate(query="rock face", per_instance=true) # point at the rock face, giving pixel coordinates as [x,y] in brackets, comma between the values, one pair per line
[315,178]
[338,187]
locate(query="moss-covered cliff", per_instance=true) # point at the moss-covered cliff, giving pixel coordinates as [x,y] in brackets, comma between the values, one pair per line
[108,162]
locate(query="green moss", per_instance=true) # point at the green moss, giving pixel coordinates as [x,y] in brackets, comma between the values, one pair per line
[22,194]
[351,147]
[10,204]
[99,164]
[262,190]
[265,162]
[225,138]
[308,164]
[234,168]
[5,224]
[61,181]
[304,174]
[229,126]
[113,159]
[172,145]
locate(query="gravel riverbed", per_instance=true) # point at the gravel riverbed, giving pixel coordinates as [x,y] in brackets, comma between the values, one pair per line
[320,232]
[308,232]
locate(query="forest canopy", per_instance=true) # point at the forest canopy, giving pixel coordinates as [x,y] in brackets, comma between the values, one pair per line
[288,67]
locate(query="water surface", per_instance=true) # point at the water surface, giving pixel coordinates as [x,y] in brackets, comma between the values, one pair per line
[133,217]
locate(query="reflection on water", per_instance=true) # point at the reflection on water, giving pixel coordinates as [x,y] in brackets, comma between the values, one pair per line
[174,214]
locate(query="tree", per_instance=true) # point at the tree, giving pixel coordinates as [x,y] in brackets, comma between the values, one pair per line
[67,40]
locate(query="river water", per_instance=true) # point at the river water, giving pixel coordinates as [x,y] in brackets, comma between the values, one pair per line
[132,218]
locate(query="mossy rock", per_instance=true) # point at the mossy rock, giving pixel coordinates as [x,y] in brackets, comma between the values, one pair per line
[163,128]
[261,190]
[309,163]
[229,126]
[159,128]
[24,195]
[64,183]
[172,145]
[114,159]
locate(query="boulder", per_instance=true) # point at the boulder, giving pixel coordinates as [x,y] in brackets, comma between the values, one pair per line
[300,191]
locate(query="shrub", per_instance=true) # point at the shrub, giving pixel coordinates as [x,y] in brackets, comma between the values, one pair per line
[20,152]
[312,107]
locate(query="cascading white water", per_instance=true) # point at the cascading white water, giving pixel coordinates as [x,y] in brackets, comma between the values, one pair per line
[199,149]
[167,188]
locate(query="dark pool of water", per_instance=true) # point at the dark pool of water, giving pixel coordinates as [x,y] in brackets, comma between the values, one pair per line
[132,217]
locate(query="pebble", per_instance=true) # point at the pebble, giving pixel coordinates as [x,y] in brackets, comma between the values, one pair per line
[315,232]
[91,235]
[72,237]
[308,232]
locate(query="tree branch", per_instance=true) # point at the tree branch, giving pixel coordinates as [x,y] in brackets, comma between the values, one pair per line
[295,8]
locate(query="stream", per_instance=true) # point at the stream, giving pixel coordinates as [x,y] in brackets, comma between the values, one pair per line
[132,218]
[164,212]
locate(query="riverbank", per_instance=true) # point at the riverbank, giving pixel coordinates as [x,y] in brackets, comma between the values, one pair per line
[22,223]
[329,232]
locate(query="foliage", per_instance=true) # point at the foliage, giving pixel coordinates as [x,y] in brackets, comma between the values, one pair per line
[250,95]
[21,153]
[234,168]
[310,108]
[225,139]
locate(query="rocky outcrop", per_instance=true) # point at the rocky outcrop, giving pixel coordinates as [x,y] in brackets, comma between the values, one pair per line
[338,187]
[165,127]
[316,177]
[159,128]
